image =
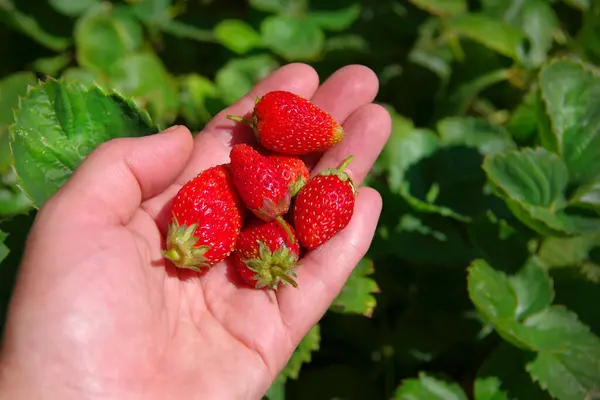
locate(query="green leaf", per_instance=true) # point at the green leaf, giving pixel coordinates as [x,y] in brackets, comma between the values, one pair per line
[293,38]
[80,75]
[567,377]
[151,11]
[195,95]
[356,296]
[104,35]
[505,300]
[589,36]
[426,387]
[338,20]
[30,27]
[532,183]
[12,200]
[277,6]
[276,391]
[587,196]
[496,35]
[238,76]
[58,124]
[431,52]
[535,18]
[489,388]
[558,252]
[144,77]
[571,95]
[237,36]
[302,354]
[186,31]
[3,249]
[73,8]
[523,121]
[442,7]
[474,132]
[51,65]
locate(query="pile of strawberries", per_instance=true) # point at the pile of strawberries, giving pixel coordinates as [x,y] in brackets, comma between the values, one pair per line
[262,208]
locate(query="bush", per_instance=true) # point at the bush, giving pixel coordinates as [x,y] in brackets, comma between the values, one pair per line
[482,280]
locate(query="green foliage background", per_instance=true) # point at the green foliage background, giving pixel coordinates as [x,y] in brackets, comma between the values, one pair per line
[482,281]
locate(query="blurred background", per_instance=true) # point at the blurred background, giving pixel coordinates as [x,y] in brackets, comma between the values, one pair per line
[460,80]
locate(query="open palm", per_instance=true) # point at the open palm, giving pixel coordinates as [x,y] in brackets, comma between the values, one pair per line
[97,313]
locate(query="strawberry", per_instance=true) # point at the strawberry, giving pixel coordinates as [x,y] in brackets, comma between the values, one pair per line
[294,172]
[206,218]
[324,206]
[265,256]
[259,182]
[290,124]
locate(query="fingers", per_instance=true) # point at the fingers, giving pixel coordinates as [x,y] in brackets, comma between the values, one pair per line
[323,272]
[342,93]
[115,178]
[367,131]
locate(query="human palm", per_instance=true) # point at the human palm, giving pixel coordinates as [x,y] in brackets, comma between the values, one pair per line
[97,312]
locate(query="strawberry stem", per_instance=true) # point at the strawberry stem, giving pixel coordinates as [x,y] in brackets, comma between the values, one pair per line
[240,119]
[285,277]
[172,254]
[286,227]
[346,162]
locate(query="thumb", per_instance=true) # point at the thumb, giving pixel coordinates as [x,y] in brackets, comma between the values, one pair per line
[113,180]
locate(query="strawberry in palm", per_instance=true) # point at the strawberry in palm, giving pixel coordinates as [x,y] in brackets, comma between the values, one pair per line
[206,218]
[290,124]
[265,256]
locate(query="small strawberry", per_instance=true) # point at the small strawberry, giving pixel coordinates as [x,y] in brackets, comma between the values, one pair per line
[324,206]
[206,218]
[265,256]
[294,172]
[290,124]
[259,182]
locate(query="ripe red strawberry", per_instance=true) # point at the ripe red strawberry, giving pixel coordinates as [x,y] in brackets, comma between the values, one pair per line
[265,256]
[324,206]
[290,124]
[259,182]
[206,218]
[294,172]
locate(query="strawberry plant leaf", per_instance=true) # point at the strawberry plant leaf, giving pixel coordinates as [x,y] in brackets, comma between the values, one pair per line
[356,296]
[276,391]
[302,354]
[567,377]
[426,387]
[336,20]
[196,93]
[587,196]
[237,36]
[105,34]
[492,33]
[431,52]
[506,363]
[51,65]
[474,132]
[59,123]
[489,388]
[144,77]
[4,250]
[523,122]
[238,76]
[81,76]
[535,18]
[558,252]
[151,11]
[275,6]
[570,93]
[293,38]
[30,27]
[442,7]
[73,8]
[186,31]
[589,36]
[11,87]
[532,183]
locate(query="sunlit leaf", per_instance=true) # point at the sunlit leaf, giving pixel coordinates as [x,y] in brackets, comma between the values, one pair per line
[356,296]
[426,387]
[293,38]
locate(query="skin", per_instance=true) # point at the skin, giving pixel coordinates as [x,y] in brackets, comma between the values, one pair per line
[97,313]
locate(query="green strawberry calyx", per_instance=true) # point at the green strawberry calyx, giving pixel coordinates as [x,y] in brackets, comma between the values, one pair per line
[295,187]
[181,247]
[340,173]
[272,268]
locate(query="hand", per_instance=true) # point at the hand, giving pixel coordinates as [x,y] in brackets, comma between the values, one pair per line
[96,311]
